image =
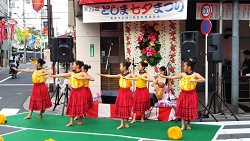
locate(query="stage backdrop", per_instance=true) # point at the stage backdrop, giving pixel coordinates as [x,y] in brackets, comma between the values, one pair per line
[169,39]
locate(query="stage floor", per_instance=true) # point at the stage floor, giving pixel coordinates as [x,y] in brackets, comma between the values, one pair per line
[53,126]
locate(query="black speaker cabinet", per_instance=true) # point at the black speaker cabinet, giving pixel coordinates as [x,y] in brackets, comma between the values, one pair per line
[214,47]
[190,45]
[61,49]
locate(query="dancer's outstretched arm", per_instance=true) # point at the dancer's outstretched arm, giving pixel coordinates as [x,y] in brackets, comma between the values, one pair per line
[66,75]
[109,76]
[148,78]
[178,76]
[23,70]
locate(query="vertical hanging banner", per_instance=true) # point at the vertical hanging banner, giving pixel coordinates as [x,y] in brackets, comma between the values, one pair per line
[12,26]
[45,27]
[135,11]
[2,30]
[37,4]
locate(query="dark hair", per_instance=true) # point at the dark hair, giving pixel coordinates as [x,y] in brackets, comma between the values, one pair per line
[144,64]
[126,64]
[41,61]
[190,63]
[163,68]
[246,52]
[80,63]
[86,67]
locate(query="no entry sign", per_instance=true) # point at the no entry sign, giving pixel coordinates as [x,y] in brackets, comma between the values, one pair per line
[206,10]
[206,26]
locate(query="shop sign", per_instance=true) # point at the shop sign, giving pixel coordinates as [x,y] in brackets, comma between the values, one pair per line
[135,11]
[244,11]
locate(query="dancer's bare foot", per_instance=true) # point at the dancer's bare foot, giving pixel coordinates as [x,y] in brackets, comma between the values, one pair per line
[76,118]
[27,117]
[188,128]
[40,116]
[120,127]
[70,124]
[182,128]
[142,120]
[133,121]
[79,123]
[127,126]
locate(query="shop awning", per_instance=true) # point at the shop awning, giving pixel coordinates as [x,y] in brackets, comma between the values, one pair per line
[99,1]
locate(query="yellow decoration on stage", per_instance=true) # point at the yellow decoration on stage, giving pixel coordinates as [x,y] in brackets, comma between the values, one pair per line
[125,83]
[141,83]
[86,83]
[75,83]
[175,133]
[1,139]
[2,119]
[50,139]
[38,79]
[185,85]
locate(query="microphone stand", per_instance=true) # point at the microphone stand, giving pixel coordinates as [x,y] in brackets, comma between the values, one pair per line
[107,64]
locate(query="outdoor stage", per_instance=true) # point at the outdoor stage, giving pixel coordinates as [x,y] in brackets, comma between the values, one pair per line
[93,129]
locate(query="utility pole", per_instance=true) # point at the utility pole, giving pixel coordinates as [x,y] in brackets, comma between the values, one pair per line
[24,48]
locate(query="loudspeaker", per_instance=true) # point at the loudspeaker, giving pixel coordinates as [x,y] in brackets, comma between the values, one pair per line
[214,47]
[61,49]
[190,45]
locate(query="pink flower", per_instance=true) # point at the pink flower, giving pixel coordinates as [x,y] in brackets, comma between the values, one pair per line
[142,43]
[149,48]
[149,54]
[141,36]
[152,38]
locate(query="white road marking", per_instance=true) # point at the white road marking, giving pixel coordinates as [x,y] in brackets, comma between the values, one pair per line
[16,84]
[0,97]
[8,78]
[9,111]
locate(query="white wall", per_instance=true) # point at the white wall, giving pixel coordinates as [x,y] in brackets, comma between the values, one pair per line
[87,34]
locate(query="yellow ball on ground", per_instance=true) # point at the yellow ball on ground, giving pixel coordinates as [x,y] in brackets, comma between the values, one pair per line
[1,139]
[2,119]
[50,139]
[175,133]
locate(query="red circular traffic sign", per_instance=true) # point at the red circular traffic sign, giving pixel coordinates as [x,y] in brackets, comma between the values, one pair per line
[206,26]
[206,10]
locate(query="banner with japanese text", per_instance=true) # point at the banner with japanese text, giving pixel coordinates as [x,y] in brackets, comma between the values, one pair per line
[99,1]
[136,11]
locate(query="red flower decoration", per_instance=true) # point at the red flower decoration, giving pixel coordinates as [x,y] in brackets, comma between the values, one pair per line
[127,37]
[172,55]
[128,59]
[139,39]
[156,70]
[172,60]
[153,52]
[143,60]
[144,50]
[172,48]
[146,39]
[172,69]
[155,34]
[172,25]
[128,29]
[128,43]
[129,51]
[155,77]
[172,82]
[172,91]
[173,38]
[172,34]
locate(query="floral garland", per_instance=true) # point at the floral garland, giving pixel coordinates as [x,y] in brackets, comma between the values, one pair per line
[149,44]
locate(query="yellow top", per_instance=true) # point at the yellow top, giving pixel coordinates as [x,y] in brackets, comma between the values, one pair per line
[185,85]
[86,83]
[75,83]
[38,79]
[141,83]
[125,83]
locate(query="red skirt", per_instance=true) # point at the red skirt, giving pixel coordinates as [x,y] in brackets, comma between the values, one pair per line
[77,103]
[141,100]
[39,99]
[187,105]
[88,94]
[123,104]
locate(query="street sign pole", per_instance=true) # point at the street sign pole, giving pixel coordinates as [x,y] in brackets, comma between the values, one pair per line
[206,71]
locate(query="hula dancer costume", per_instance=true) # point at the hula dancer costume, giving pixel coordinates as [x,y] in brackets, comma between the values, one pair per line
[123,104]
[77,104]
[187,103]
[39,99]
[141,99]
[87,93]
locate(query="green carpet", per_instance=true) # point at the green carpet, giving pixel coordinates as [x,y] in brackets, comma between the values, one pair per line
[148,129]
